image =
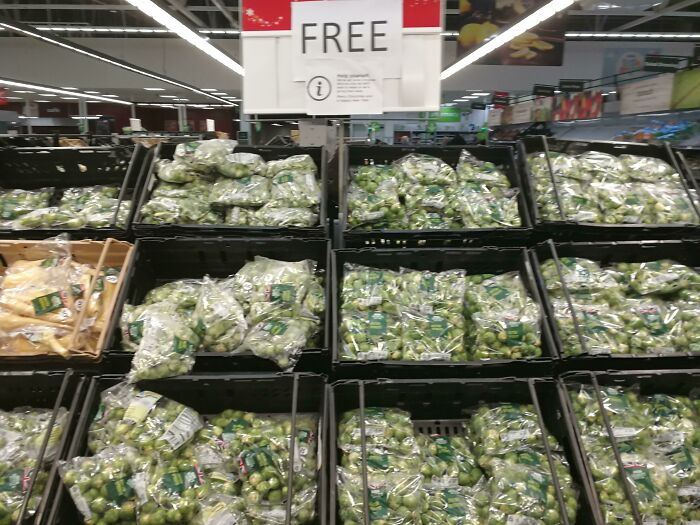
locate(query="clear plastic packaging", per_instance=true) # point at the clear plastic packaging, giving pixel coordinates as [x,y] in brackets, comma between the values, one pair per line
[252,190]
[424,169]
[240,165]
[219,320]
[280,339]
[295,190]
[280,217]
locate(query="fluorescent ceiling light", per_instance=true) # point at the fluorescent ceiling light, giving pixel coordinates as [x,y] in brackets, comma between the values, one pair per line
[481,94]
[69,98]
[634,36]
[111,96]
[67,44]
[166,19]
[14,98]
[92,92]
[167,96]
[277,125]
[209,89]
[22,91]
[42,101]
[70,88]
[221,94]
[154,89]
[14,83]
[47,95]
[181,99]
[544,13]
[145,30]
[469,96]
[88,117]
[24,116]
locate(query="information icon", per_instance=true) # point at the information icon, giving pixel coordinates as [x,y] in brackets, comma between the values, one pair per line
[319,88]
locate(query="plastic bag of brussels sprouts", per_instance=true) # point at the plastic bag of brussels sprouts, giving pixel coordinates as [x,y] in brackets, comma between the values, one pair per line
[503,428]
[437,336]
[297,163]
[280,339]
[510,334]
[584,279]
[652,487]
[620,203]
[652,325]
[487,210]
[49,218]
[563,166]
[370,177]
[238,216]
[394,498]
[424,169]
[648,169]
[315,300]
[303,510]
[166,210]
[433,197]
[205,156]
[526,495]
[448,461]
[578,202]
[131,325]
[183,293]
[496,293]
[199,187]
[427,291]
[602,167]
[167,345]
[253,190]
[209,451]
[667,204]
[145,420]
[79,198]
[218,509]
[380,206]
[15,203]
[106,213]
[380,460]
[370,336]
[263,476]
[285,217]
[102,486]
[16,469]
[219,320]
[239,165]
[455,506]
[292,189]
[662,277]
[674,420]
[365,288]
[390,429]
[170,492]
[174,172]
[688,337]
[601,328]
[28,427]
[472,170]
[432,220]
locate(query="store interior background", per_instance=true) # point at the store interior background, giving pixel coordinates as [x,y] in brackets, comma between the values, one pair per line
[31,60]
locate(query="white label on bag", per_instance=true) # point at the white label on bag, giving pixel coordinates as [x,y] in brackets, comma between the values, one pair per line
[597,350]
[624,432]
[182,429]
[434,356]
[139,481]
[671,437]
[654,522]
[80,502]
[515,435]
[372,355]
[426,309]
[141,406]
[445,482]
[370,301]
[691,490]
[433,203]
[521,520]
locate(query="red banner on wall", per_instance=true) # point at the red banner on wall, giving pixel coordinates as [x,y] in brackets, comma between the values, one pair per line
[276,15]
[3,97]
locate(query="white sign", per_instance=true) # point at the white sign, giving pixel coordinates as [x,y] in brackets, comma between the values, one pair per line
[652,94]
[135,124]
[347,29]
[211,124]
[522,112]
[494,117]
[343,87]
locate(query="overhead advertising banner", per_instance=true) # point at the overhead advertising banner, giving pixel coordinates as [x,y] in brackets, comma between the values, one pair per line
[522,112]
[340,57]
[643,96]
[572,106]
[479,19]
[686,90]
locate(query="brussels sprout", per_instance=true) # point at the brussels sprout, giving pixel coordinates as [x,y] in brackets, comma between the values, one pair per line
[366,288]
[102,486]
[302,511]
[424,169]
[15,203]
[16,467]
[429,291]
[440,199]
[490,210]
[292,189]
[295,163]
[175,172]
[455,506]
[240,165]
[166,210]
[602,167]
[270,215]
[496,293]
[436,336]
[601,328]
[280,339]
[53,217]
[28,426]
[386,429]
[448,461]
[219,320]
[471,170]
[371,177]
[648,169]
[431,220]
[651,325]
[657,277]
[371,335]
[620,203]
[585,280]
[183,294]
[245,191]
[381,207]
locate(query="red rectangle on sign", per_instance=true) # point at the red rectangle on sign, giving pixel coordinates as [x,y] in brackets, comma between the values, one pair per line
[3,97]
[276,15]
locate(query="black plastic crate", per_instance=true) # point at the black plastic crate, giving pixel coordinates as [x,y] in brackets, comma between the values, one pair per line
[684,252]
[210,394]
[500,155]
[475,261]
[44,390]
[568,230]
[689,161]
[672,382]
[442,403]
[60,168]
[166,150]
[158,261]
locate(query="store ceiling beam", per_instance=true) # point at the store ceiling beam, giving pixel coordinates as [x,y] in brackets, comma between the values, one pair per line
[181,7]
[100,7]
[654,15]
[623,12]
[227,14]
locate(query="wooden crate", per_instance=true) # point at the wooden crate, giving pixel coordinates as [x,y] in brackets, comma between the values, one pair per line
[88,343]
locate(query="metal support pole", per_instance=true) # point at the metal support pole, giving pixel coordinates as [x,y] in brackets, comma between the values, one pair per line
[83,113]
[182,117]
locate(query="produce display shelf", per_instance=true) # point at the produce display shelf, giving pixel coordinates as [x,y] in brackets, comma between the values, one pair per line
[210,394]
[51,390]
[474,261]
[166,150]
[503,156]
[689,160]
[684,252]
[158,261]
[569,230]
[441,404]
[672,382]
[39,167]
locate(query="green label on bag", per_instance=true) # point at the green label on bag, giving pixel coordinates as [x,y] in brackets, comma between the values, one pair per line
[427,283]
[681,459]
[50,262]
[663,406]
[135,330]
[617,401]
[378,504]
[514,333]
[180,480]
[282,293]
[592,323]
[378,461]
[282,179]
[76,290]
[15,480]
[444,448]
[99,285]
[653,320]
[377,323]
[433,190]
[275,327]
[536,486]
[245,181]
[438,326]
[119,490]
[456,506]
[100,412]
[200,328]
[182,346]
[640,476]
[496,292]
[510,412]
[236,425]
[529,458]
[48,303]
[375,277]
[255,459]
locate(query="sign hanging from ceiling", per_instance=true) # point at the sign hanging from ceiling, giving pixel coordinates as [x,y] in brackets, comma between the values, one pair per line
[340,57]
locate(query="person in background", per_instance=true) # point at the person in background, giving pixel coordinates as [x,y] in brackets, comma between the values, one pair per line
[405,140]
[457,140]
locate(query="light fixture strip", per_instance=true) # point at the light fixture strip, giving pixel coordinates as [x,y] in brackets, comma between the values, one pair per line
[15,83]
[633,36]
[93,29]
[164,18]
[500,39]
[86,52]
